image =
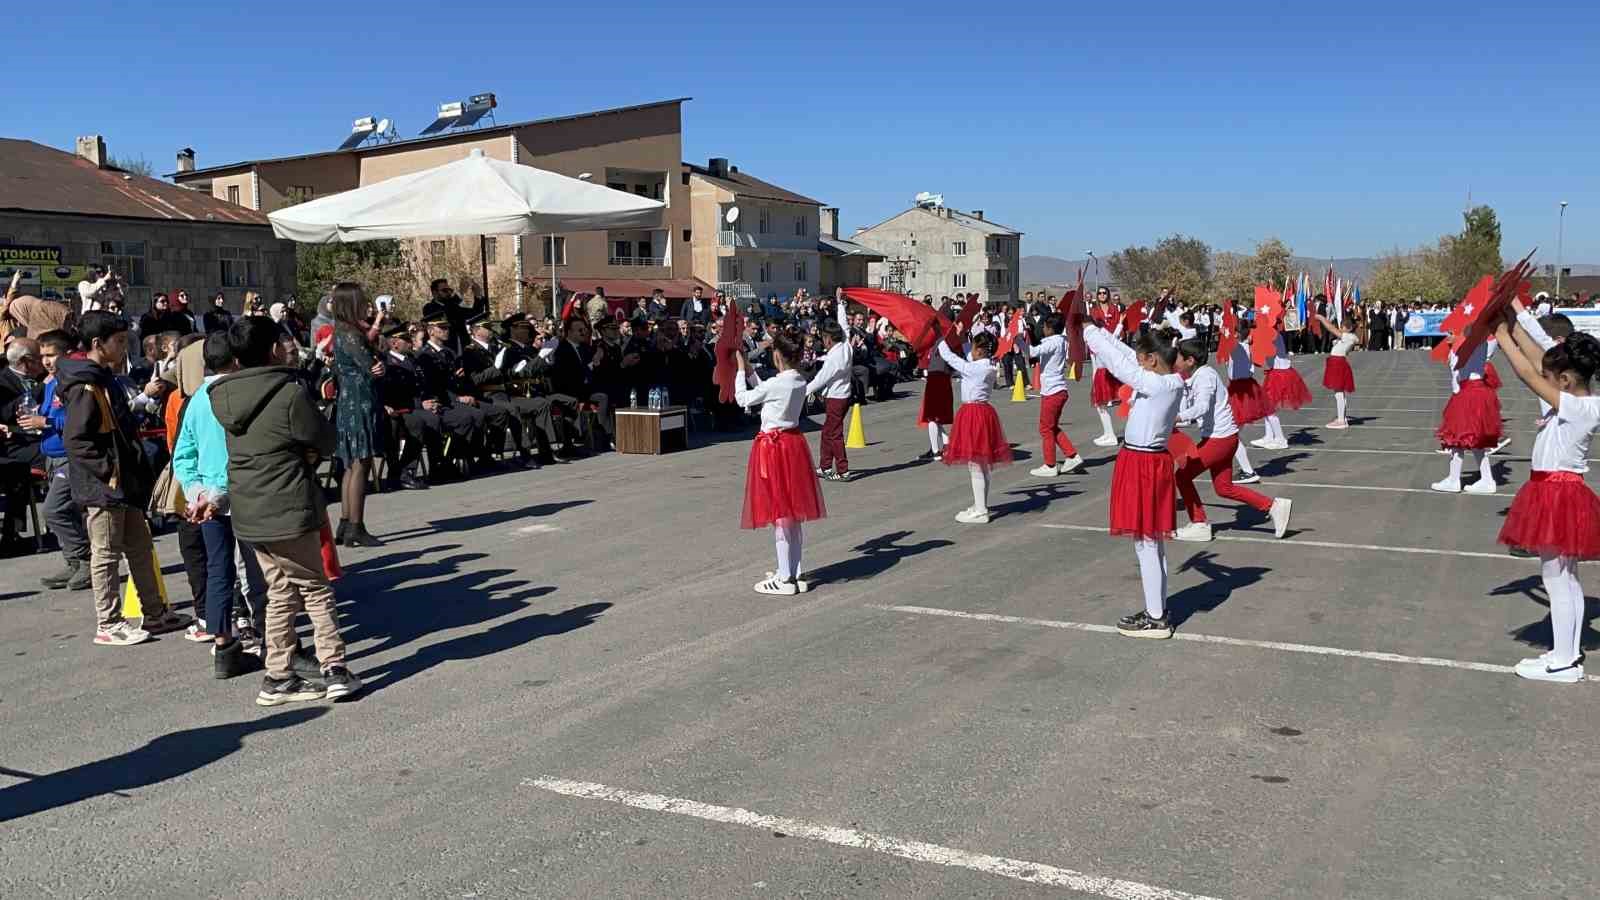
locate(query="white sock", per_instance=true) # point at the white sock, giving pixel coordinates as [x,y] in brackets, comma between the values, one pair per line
[1153,574]
[1338,402]
[1274,429]
[1485,466]
[1105,421]
[1455,466]
[935,437]
[1560,576]
[789,539]
[980,485]
[1243,459]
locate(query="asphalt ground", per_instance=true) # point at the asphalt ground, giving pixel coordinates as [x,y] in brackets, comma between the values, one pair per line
[572,691]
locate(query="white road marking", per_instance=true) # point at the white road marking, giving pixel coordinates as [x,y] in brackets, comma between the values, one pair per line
[538,528]
[1312,649]
[1307,448]
[1332,545]
[1366,487]
[917,851]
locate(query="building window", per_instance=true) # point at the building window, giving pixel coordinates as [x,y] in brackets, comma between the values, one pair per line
[241,266]
[660,191]
[766,271]
[233,194]
[800,270]
[642,190]
[300,193]
[436,251]
[685,179]
[958,248]
[687,235]
[125,258]
[765,224]
[617,186]
[490,252]
[555,251]
[998,277]
[959,280]
[800,226]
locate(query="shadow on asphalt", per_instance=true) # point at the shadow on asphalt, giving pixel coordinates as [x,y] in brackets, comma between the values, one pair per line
[878,555]
[17,595]
[1221,581]
[1538,634]
[1279,465]
[483,520]
[1033,499]
[165,757]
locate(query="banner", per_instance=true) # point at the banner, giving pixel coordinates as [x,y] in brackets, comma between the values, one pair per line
[1424,324]
[1586,319]
[43,272]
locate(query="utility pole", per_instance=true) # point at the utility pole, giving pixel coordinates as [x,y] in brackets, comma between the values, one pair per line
[1561,234]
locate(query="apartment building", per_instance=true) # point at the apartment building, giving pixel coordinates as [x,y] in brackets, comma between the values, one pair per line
[944,252]
[638,149]
[765,237]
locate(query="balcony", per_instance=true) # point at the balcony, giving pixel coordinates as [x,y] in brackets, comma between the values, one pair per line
[637,261]
[748,240]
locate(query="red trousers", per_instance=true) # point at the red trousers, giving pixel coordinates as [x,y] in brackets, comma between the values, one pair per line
[1216,457]
[832,455]
[1050,433]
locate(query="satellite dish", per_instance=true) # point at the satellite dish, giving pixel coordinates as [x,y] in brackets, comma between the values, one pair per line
[383,126]
[585,176]
[732,215]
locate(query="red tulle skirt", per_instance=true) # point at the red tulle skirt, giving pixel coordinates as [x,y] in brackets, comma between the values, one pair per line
[1490,376]
[1554,514]
[1338,376]
[1249,401]
[1471,419]
[1103,390]
[1286,389]
[1143,503]
[977,437]
[781,482]
[938,402]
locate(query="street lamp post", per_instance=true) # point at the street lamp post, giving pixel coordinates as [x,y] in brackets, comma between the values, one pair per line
[1561,234]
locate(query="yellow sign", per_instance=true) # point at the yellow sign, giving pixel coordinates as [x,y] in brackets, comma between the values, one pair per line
[44,274]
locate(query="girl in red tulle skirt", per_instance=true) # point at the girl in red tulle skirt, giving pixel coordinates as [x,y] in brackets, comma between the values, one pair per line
[1556,516]
[781,487]
[937,412]
[976,438]
[1470,423]
[1337,375]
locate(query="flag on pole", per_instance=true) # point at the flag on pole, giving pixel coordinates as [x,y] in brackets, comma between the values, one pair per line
[1338,301]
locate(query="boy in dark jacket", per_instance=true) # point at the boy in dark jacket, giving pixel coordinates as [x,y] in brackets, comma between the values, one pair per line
[110,480]
[275,439]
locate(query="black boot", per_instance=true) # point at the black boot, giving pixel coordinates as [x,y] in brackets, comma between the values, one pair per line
[344,530]
[60,579]
[230,661]
[358,536]
[80,580]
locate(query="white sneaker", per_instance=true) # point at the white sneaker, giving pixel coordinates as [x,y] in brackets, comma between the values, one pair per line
[1068,466]
[1447,486]
[1535,661]
[1045,472]
[121,634]
[1246,478]
[774,586]
[800,584]
[1481,486]
[1275,445]
[973,517]
[1262,442]
[1106,440]
[1280,516]
[1542,672]
[1338,425]
[1194,533]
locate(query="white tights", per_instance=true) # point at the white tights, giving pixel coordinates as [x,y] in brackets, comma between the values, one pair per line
[790,539]
[1243,459]
[1153,573]
[980,485]
[1274,429]
[1105,421]
[1560,575]
[1485,465]
[937,437]
[1338,403]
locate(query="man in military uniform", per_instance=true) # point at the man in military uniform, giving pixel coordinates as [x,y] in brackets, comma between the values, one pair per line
[444,391]
[486,382]
[400,392]
[522,368]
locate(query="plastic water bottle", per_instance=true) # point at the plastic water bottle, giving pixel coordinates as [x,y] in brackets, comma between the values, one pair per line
[26,408]
[633,397]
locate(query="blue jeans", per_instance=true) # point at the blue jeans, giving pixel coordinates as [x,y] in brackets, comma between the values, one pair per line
[220,575]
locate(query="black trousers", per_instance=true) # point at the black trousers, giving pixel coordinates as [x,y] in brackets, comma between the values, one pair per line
[498,419]
[192,547]
[420,430]
[535,423]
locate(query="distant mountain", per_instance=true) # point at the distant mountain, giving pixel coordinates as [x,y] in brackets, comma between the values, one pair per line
[1055,270]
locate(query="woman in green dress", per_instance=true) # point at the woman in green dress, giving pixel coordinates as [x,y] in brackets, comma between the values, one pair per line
[359,419]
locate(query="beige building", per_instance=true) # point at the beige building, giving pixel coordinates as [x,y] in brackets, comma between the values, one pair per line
[638,149]
[844,263]
[945,252]
[769,248]
[62,212]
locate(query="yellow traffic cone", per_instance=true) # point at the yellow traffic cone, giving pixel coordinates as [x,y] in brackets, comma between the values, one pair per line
[856,439]
[1019,389]
[131,607]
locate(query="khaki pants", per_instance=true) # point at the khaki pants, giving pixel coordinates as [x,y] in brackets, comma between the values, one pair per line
[293,570]
[116,532]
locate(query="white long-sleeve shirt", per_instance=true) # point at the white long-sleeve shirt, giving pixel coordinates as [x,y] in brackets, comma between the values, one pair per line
[87,291]
[1530,324]
[1205,403]
[782,398]
[977,375]
[833,375]
[1156,396]
[1052,356]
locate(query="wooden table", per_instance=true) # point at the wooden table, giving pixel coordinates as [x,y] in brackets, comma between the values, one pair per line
[641,430]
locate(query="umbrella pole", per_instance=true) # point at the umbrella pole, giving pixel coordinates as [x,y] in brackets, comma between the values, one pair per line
[483,263]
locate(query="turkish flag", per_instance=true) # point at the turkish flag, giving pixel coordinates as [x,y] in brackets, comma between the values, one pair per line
[1009,340]
[729,343]
[1228,336]
[1264,335]
[1493,311]
[1470,307]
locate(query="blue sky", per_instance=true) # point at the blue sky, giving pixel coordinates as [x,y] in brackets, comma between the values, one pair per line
[1346,129]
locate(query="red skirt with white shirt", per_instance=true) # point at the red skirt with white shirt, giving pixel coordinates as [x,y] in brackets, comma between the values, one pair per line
[1286,388]
[781,481]
[1143,502]
[977,437]
[1249,401]
[938,400]
[1103,390]
[1554,514]
[1338,376]
[1471,419]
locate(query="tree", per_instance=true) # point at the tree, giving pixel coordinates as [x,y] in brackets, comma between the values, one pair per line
[1142,272]
[1472,254]
[140,166]
[1407,277]
[1237,275]
[380,267]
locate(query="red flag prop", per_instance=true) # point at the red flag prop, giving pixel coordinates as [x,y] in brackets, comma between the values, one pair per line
[1228,335]
[570,308]
[1132,318]
[1076,313]
[1008,341]
[1263,336]
[1466,312]
[1125,395]
[911,317]
[968,313]
[729,343]
[1493,311]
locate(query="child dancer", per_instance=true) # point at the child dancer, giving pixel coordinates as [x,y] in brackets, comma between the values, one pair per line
[781,487]
[1246,399]
[1471,421]
[976,438]
[1205,403]
[1285,388]
[1336,373]
[1142,504]
[1052,356]
[938,406]
[1555,514]
[1103,389]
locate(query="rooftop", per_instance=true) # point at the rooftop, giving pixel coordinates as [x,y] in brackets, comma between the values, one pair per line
[832,246]
[36,178]
[956,215]
[746,185]
[446,137]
